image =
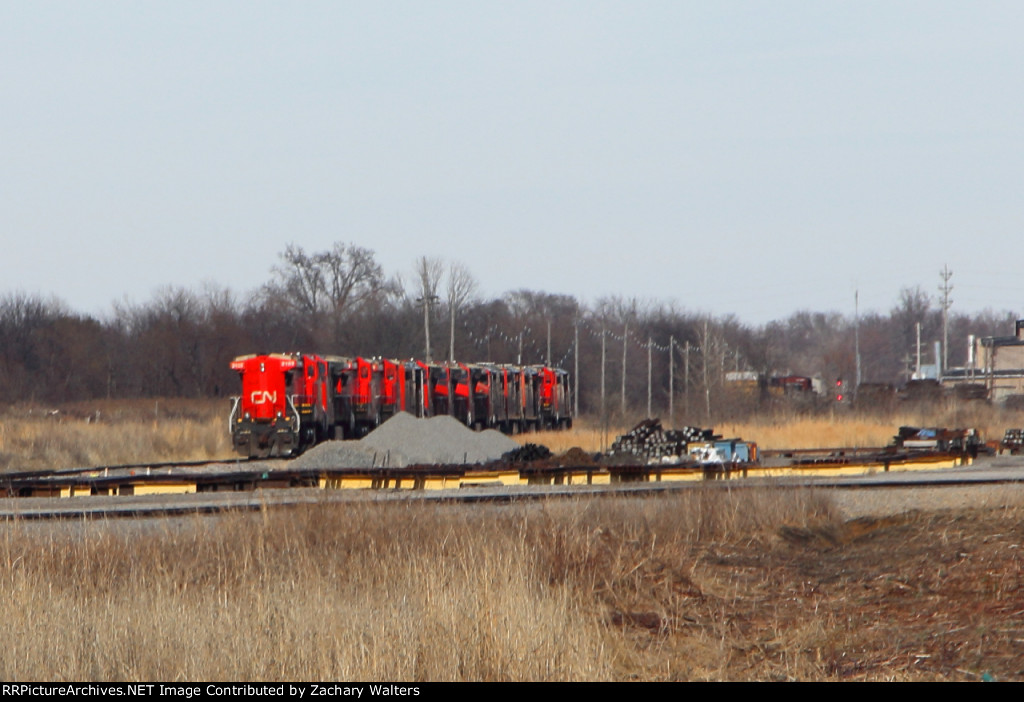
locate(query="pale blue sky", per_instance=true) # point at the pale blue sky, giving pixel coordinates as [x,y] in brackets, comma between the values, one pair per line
[752,158]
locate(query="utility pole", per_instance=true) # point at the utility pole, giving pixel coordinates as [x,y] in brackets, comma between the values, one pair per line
[707,390]
[686,380]
[945,289]
[671,381]
[917,367]
[856,340]
[549,344]
[625,338]
[425,301]
[576,369]
[604,416]
[648,377]
[451,337]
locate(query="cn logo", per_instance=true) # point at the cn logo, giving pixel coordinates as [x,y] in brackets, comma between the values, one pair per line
[260,397]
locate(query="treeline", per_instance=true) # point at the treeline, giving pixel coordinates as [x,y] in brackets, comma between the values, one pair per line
[340,301]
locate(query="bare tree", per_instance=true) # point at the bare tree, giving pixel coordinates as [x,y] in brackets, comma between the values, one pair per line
[351,277]
[328,285]
[462,288]
[914,307]
[301,279]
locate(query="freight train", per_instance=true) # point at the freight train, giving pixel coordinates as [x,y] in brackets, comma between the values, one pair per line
[291,401]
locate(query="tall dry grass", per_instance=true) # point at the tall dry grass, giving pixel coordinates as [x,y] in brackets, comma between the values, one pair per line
[846,428]
[783,430]
[398,592]
[106,432]
[113,432]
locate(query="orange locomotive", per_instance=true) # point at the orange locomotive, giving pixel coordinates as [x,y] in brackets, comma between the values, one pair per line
[291,401]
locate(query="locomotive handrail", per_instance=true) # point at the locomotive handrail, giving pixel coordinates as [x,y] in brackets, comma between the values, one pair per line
[298,417]
[235,402]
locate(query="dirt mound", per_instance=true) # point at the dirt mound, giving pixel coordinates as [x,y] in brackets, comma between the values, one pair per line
[527,453]
[577,457]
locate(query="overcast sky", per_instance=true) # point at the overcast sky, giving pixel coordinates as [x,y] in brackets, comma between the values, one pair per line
[752,158]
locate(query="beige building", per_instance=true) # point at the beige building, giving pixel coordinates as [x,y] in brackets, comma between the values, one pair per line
[999,364]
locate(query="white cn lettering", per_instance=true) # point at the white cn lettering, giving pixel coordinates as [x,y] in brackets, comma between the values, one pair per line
[259,397]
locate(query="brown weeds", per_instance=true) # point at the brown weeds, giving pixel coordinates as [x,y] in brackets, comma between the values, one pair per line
[540,592]
[841,428]
[718,583]
[113,432]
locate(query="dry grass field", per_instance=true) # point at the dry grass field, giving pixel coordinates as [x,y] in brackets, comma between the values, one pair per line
[741,584]
[791,431]
[120,431]
[714,584]
[113,432]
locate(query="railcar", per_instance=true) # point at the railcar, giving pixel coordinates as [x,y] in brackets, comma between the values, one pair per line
[284,406]
[291,401]
[553,398]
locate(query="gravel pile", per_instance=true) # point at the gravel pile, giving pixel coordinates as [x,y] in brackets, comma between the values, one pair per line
[405,440]
[339,454]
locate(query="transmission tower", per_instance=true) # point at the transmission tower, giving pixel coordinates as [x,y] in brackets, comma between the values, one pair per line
[945,289]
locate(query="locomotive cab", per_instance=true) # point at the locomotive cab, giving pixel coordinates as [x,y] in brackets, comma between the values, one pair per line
[283,406]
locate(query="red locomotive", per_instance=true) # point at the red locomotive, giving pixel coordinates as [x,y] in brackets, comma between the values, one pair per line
[292,401]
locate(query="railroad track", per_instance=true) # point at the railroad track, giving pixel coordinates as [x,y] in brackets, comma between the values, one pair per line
[246,475]
[252,489]
[122,479]
[9,476]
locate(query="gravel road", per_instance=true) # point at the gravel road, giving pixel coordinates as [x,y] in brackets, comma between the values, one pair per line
[878,502]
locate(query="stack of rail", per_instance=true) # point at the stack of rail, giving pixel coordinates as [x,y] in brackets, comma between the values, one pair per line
[648,441]
[1013,441]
